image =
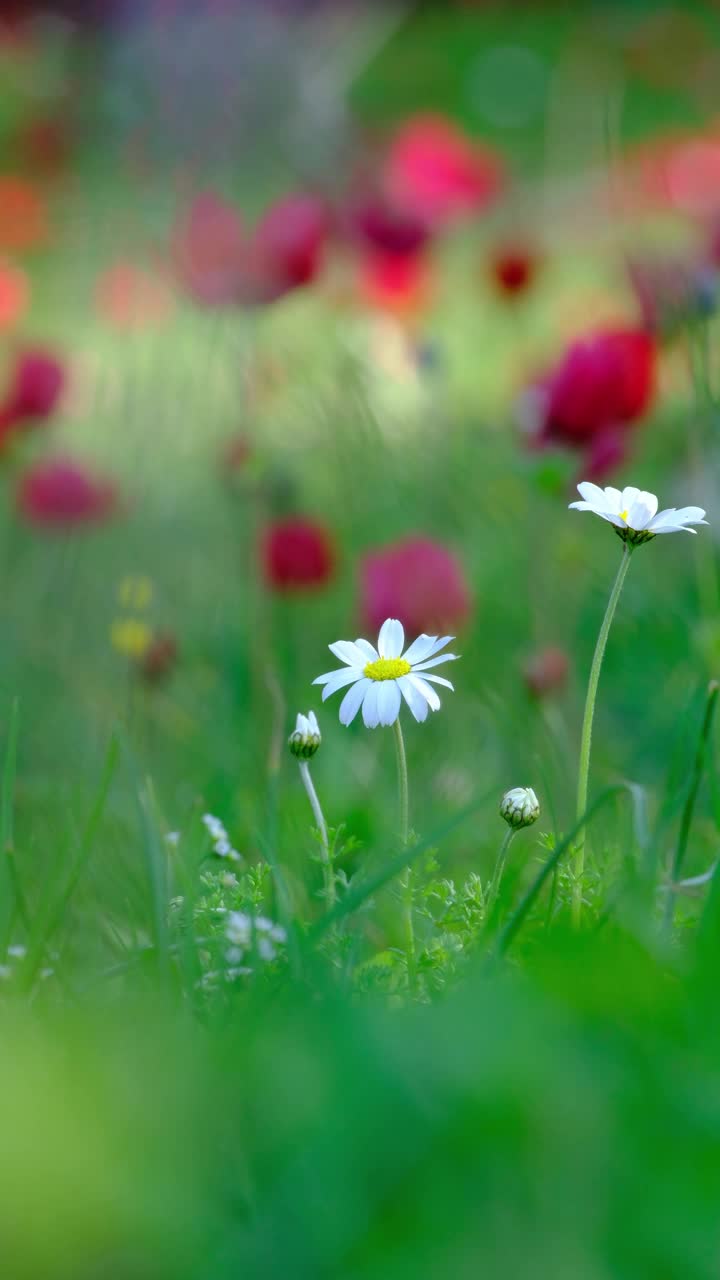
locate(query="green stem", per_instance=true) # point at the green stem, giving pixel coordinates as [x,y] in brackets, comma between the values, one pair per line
[497,875]
[686,821]
[406,881]
[587,728]
[322,828]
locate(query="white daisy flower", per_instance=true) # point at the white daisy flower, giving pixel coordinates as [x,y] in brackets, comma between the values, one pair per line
[634,512]
[382,677]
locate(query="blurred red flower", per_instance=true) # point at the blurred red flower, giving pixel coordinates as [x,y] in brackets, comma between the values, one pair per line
[37,381]
[297,554]
[513,270]
[379,226]
[395,283]
[61,494]
[14,294]
[416,580]
[219,261]
[604,454]
[604,380]
[23,215]
[129,297]
[546,671]
[434,171]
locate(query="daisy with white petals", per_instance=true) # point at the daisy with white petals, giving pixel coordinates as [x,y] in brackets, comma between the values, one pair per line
[634,515]
[634,512]
[380,678]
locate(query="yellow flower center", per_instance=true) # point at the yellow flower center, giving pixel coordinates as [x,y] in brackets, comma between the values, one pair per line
[387,669]
[624,516]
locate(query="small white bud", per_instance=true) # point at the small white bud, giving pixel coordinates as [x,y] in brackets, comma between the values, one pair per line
[519,807]
[306,737]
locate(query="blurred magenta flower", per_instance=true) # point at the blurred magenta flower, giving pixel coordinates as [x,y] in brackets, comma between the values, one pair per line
[513,269]
[208,250]
[61,494]
[297,554]
[379,226]
[604,380]
[436,172]
[36,384]
[290,238]
[417,580]
[604,454]
[221,262]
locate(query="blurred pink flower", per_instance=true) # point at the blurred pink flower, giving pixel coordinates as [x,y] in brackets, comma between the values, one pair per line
[416,580]
[436,172]
[14,294]
[379,226]
[401,284]
[297,554]
[604,380]
[546,671]
[36,384]
[61,494]
[220,261]
[130,297]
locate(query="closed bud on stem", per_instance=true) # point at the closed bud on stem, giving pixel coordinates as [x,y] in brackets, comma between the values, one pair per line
[519,807]
[306,737]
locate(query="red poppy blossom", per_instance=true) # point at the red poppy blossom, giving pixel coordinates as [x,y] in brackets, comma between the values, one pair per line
[23,215]
[417,580]
[291,237]
[208,249]
[36,384]
[438,173]
[513,270]
[384,229]
[62,494]
[297,555]
[604,380]
[398,284]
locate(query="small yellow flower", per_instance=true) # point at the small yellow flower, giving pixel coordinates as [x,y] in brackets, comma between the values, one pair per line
[131,637]
[135,592]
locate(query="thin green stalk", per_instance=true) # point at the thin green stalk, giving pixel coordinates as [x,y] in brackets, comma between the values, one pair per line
[406,882]
[322,828]
[587,728]
[497,875]
[689,807]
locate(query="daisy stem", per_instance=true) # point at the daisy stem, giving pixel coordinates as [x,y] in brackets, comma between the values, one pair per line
[406,882]
[587,728]
[322,828]
[497,875]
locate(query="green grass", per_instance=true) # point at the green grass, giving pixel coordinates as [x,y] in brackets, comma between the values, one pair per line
[546,1102]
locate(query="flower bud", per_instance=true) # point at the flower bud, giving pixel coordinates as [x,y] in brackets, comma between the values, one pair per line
[306,737]
[519,807]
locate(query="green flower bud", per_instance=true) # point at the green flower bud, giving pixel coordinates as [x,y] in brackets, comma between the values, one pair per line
[519,807]
[306,737]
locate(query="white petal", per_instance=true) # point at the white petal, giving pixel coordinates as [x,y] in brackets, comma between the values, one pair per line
[371,714]
[426,690]
[347,676]
[435,662]
[674,528]
[388,701]
[628,496]
[424,647]
[313,721]
[371,653]
[416,702]
[612,519]
[348,652]
[300,724]
[593,494]
[391,638]
[324,678]
[690,515]
[441,680]
[641,512]
[613,499]
[582,506]
[352,701]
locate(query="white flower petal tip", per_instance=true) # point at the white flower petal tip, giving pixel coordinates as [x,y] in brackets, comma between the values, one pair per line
[381,678]
[305,739]
[634,512]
